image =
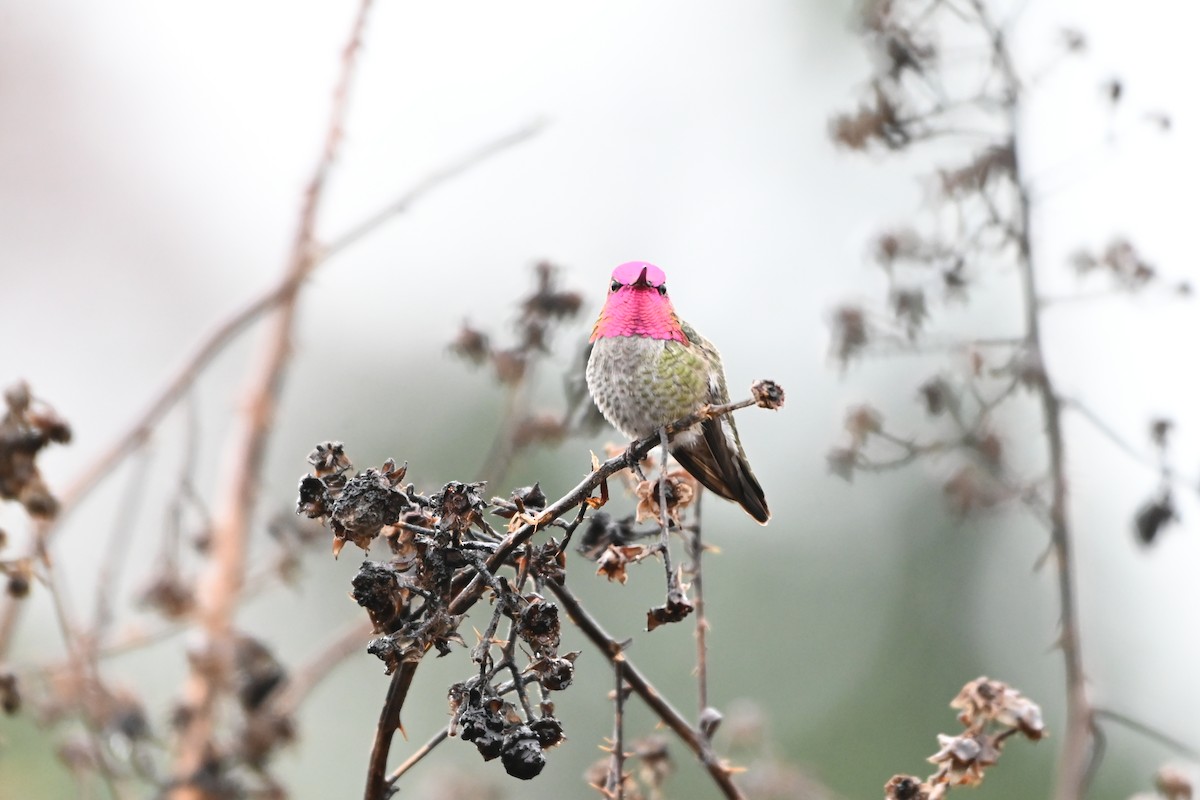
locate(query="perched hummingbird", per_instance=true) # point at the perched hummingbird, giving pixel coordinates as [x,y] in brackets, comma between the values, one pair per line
[648,368]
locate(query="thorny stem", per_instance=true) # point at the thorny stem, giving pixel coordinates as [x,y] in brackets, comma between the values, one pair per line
[1073,763]
[720,773]
[664,541]
[389,723]
[697,573]
[220,585]
[615,786]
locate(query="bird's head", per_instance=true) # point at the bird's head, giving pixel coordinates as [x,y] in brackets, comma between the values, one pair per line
[637,305]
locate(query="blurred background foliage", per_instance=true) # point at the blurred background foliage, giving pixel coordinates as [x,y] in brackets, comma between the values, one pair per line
[153,156]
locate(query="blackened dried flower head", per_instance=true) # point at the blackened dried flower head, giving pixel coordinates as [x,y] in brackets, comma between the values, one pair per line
[555,673]
[329,458]
[539,626]
[314,500]
[549,732]
[601,530]
[530,497]
[482,722]
[521,753]
[905,787]
[1154,515]
[377,589]
[389,651]
[458,504]
[368,502]
[767,394]
[548,562]
[27,428]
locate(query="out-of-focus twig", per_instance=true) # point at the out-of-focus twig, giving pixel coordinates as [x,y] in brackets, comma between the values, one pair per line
[1073,762]
[305,679]
[220,585]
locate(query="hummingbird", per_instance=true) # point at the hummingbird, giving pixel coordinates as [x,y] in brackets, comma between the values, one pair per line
[648,368]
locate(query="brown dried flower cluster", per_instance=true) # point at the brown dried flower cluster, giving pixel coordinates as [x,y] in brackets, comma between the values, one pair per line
[991,712]
[27,427]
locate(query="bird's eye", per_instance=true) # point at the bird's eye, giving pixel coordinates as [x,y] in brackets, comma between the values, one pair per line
[615,285]
[662,288]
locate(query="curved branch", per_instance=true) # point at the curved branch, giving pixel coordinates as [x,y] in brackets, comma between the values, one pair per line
[697,742]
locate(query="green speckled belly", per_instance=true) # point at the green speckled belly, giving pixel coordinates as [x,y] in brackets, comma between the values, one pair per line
[640,384]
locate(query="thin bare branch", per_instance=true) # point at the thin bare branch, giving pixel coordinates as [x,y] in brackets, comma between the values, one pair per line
[1073,764]
[220,585]
[720,772]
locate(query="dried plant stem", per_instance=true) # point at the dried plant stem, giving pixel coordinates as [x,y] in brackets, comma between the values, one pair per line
[720,773]
[1073,764]
[664,541]
[615,786]
[308,677]
[220,585]
[1166,740]
[418,755]
[697,572]
[389,722]
[1075,756]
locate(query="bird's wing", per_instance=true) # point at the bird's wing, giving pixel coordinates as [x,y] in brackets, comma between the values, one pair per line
[717,459]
